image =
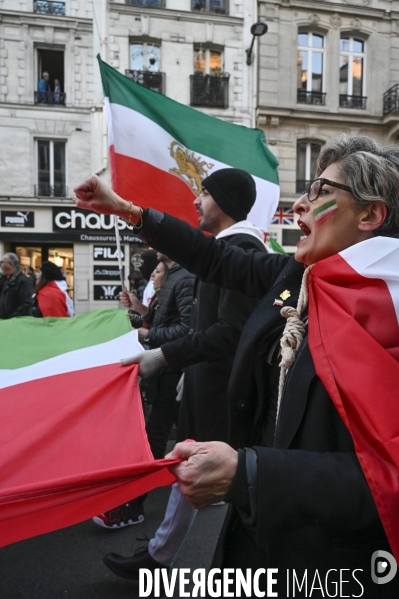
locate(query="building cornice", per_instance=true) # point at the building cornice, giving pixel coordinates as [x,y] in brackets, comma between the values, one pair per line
[359,10]
[175,15]
[355,119]
[36,19]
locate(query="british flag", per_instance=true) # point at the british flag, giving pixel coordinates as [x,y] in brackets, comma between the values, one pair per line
[283,216]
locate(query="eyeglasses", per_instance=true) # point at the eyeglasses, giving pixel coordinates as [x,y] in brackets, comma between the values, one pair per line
[315,188]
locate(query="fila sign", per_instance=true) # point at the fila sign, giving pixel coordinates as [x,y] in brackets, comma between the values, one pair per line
[74,219]
[107,252]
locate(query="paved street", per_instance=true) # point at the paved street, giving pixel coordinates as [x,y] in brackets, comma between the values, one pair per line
[67,564]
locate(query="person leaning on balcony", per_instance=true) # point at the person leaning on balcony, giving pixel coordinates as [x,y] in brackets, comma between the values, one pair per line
[44,88]
[57,92]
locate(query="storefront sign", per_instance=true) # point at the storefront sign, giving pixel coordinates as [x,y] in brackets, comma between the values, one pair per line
[74,219]
[60,237]
[107,292]
[107,252]
[103,272]
[22,219]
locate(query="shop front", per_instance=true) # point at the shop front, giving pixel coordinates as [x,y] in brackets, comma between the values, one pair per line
[80,242]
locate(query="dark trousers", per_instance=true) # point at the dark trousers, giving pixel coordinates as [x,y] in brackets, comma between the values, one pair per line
[164,413]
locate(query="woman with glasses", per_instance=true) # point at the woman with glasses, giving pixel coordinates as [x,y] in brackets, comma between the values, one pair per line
[311,472]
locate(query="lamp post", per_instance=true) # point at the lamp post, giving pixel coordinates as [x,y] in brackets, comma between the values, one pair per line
[259,28]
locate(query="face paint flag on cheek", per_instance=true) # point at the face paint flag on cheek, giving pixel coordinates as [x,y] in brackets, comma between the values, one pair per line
[325,211]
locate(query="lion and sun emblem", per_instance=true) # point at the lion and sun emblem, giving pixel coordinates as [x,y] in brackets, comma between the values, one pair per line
[189,167]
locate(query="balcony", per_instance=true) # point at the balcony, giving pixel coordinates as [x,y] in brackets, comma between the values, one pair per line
[358,102]
[48,7]
[209,90]
[150,80]
[50,98]
[45,190]
[313,98]
[391,100]
[302,185]
[218,7]
[147,3]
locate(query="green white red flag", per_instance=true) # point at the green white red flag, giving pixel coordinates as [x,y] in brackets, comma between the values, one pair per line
[72,436]
[161,150]
[354,341]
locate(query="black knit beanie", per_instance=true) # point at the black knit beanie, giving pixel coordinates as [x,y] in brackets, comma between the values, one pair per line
[51,271]
[234,191]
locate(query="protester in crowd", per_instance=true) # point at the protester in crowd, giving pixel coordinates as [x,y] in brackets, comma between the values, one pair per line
[301,499]
[15,288]
[141,315]
[57,96]
[169,321]
[148,263]
[44,88]
[51,297]
[137,284]
[30,273]
[207,355]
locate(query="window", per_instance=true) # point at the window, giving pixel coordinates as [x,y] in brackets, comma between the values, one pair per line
[207,62]
[209,86]
[310,67]
[145,64]
[50,84]
[49,7]
[351,73]
[306,158]
[211,6]
[51,171]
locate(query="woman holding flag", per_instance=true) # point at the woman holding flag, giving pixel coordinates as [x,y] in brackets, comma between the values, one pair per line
[312,469]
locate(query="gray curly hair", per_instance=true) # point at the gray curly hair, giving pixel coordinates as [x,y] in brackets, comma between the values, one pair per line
[372,171]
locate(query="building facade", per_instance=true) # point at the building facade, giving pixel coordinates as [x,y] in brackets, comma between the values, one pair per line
[52,125]
[325,68]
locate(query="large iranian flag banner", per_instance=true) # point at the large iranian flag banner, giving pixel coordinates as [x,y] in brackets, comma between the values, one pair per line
[161,150]
[72,436]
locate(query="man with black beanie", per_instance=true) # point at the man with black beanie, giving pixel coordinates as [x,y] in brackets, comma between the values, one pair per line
[206,354]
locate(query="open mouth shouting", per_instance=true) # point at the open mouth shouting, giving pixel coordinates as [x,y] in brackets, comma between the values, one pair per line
[305,229]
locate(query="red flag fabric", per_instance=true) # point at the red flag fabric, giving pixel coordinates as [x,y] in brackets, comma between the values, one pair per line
[354,341]
[72,448]
[52,301]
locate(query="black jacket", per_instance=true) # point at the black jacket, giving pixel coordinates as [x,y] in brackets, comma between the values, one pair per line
[207,353]
[16,297]
[303,502]
[172,318]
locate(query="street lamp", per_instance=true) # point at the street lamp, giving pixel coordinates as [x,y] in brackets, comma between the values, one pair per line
[257,29]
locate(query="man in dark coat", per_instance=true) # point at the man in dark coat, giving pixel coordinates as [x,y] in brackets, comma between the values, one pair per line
[15,290]
[207,354]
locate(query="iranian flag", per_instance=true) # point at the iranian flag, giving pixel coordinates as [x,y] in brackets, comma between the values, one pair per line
[354,341]
[161,150]
[72,437]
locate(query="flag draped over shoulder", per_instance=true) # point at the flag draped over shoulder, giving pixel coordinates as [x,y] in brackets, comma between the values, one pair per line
[354,341]
[72,436]
[161,150]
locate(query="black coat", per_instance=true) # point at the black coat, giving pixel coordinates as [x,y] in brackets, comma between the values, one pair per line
[308,505]
[207,353]
[172,317]
[16,297]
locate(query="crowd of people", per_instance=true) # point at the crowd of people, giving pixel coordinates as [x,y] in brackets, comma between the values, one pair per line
[286,456]
[230,357]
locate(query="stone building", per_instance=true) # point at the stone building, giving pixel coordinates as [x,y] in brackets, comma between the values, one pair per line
[52,126]
[325,68]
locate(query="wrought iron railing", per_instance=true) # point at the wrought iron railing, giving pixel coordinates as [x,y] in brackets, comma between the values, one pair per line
[211,6]
[154,81]
[45,190]
[302,185]
[352,101]
[209,90]
[314,98]
[51,98]
[48,7]
[391,100]
[147,3]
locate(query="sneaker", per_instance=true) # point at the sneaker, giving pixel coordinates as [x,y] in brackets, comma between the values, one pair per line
[121,516]
[129,567]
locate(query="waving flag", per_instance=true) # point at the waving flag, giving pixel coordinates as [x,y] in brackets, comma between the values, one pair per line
[354,340]
[161,150]
[72,438]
